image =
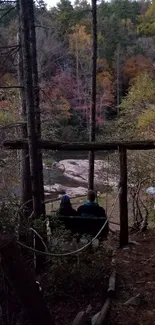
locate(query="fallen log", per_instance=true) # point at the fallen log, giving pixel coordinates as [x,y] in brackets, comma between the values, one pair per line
[112,282]
[103,313]
[94,318]
[99,318]
[83,317]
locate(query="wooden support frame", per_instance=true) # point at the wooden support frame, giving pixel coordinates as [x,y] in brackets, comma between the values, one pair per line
[26,188]
[123,203]
[81,146]
[122,146]
[29,94]
[11,87]
[93,98]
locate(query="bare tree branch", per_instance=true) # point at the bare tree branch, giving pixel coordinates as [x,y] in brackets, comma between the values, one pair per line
[6,13]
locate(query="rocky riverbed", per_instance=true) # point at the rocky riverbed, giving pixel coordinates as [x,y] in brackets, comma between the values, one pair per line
[77,170]
[60,189]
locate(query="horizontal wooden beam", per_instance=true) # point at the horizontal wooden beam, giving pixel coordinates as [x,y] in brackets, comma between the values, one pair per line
[79,146]
[11,87]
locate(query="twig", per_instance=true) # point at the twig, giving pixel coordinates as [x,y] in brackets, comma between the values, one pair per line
[36,233]
[6,13]
[9,47]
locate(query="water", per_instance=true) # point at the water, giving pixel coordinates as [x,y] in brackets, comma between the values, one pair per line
[53,175]
[60,155]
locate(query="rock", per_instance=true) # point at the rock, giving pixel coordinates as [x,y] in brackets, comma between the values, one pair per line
[131,245]
[126,248]
[47,194]
[95,243]
[77,169]
[71,191]
[133,242]
[134,301]
[150,190]
[149,313]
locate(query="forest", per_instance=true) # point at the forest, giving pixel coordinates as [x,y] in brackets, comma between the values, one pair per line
[52,273]
[125,68]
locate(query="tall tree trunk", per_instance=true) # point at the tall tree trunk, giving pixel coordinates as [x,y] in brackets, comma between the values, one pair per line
[93,98]
[118,77]
[30,5]
[77,64]
[123,198]
[31,127]
[26,189]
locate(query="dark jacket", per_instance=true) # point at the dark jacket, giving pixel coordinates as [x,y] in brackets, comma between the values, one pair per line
[91,208]
[67,212]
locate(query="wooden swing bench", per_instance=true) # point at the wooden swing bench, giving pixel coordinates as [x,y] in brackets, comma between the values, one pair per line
[89,225]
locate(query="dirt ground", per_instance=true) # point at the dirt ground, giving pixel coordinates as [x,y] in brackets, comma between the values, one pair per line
[135,275]
[135,266]
[71,285]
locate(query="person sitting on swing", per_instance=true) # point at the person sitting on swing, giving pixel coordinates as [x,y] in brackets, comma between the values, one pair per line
[65,208]
[91,208]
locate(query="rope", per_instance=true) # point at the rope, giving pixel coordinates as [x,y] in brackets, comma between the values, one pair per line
[36,233]
[78,250]
[107,184]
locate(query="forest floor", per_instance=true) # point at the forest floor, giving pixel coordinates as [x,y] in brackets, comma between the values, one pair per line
[71,284]
[135,276]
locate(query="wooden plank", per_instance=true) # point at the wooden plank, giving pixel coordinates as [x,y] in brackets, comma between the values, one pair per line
[30,108]
[92,130]
[112,282]
[82,217]
[36,89]
[103,313]
[100,317]
[85,146]
[83,317]
[11,87]
[26,188]
[83,225]
[123,204]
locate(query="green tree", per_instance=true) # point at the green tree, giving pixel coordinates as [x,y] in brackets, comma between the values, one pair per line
[64,12]
[147,21]
[137,109]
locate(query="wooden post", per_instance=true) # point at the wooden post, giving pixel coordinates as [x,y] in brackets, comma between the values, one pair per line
[30,5]
[123,204]
[31,125]
[93,98]
[23,282]
[26,188]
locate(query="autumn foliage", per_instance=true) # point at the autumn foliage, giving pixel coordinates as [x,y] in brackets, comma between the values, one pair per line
[135,66]
[125,63]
